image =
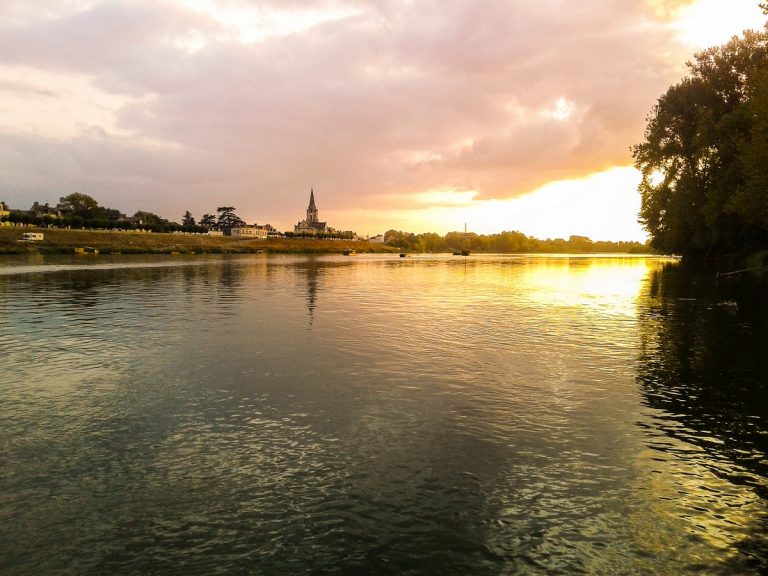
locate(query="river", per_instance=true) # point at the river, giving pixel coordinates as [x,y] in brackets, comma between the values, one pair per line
[380,415]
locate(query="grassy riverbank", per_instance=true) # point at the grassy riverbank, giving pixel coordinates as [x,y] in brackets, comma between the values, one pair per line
[60,241]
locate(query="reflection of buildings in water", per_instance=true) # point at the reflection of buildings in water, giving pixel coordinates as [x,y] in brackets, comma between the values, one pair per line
[310,270]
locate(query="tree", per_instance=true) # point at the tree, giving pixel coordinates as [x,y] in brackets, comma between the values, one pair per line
[79,205]
[208,221]
[187,219]
[701,139]
[147,218]
[227,219]
[397,239]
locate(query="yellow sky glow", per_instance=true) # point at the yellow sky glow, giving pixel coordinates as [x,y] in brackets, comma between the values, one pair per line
[602,206]
[713,22]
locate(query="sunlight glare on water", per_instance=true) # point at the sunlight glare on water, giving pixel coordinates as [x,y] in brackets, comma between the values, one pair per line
[378,415]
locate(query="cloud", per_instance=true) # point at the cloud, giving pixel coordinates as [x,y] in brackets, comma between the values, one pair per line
[363,100]
[25,88]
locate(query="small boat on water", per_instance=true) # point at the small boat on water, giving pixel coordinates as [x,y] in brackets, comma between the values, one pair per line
[349,252]
[86,250]
[403,254]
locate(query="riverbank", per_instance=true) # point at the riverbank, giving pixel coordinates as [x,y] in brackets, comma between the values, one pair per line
[753,263]
[62,241]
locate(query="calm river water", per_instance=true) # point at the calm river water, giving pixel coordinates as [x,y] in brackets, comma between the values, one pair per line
[376,415]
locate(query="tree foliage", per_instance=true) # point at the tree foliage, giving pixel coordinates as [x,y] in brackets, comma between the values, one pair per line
[208,221]
[704,189]
[509,242]
[79,205]
[227,219]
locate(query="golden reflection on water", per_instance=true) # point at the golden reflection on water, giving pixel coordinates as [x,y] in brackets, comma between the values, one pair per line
[595,285]
[694,507]
[529,409]
[697,489]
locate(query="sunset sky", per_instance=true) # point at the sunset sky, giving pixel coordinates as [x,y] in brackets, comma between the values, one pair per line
[407,114]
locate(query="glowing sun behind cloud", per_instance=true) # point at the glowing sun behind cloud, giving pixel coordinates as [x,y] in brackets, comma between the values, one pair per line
[603,206]
[713,22]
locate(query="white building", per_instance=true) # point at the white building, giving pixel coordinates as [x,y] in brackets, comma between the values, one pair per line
[257,232]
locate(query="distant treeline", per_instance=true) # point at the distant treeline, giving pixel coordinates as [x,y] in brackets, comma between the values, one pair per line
[505,242]
[140,221]
[82,211]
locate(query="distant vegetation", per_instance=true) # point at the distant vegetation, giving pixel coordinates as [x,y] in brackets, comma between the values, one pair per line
[82,211]
[505,242]
[704,160]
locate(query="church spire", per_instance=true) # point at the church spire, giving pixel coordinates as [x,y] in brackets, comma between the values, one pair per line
[312,209]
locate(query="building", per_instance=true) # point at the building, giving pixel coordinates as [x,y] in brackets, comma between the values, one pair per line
[311,225]
[250,232]
[378,239]
[44,210]
[4,210]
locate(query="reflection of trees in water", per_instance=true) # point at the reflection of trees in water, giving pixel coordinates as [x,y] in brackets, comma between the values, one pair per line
[705,364]
[708,363]
[147,283]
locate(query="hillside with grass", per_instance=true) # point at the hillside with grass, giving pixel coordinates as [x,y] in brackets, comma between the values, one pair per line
[63,241]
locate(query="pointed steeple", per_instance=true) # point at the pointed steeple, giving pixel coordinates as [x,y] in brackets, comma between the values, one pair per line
[312,209]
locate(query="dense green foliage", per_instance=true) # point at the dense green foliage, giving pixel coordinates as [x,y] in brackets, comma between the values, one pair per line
[505,242]
[704,185]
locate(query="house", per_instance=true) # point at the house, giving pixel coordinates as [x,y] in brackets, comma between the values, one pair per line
[254,231]
[44,210]
[378,239]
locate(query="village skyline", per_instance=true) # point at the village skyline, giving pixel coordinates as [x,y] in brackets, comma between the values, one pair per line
[48,215]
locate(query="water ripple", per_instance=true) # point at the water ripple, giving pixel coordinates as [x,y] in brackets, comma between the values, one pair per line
[307,415]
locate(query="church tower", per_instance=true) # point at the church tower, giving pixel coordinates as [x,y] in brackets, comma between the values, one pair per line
[312,225]
[311,209]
